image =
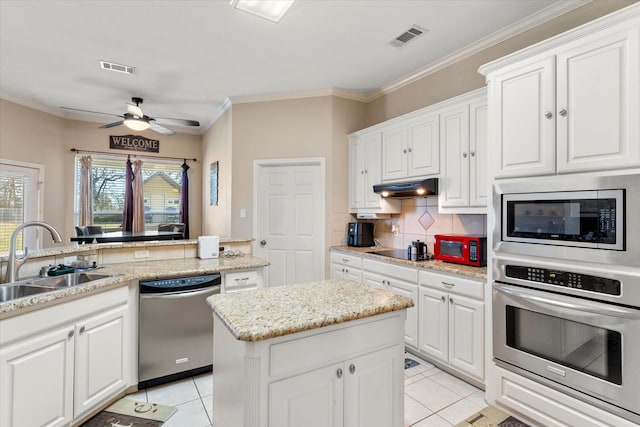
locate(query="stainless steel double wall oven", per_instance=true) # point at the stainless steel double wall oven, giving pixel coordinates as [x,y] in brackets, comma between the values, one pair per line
[566,291]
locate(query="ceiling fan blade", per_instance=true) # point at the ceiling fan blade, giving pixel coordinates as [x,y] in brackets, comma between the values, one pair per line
[111,125]
[177,122]
[135,110]
[89,111]
[160,129]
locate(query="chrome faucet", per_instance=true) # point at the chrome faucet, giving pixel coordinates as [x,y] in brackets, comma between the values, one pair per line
[16,262]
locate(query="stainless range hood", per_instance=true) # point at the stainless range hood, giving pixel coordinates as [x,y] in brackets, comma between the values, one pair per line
[422,188]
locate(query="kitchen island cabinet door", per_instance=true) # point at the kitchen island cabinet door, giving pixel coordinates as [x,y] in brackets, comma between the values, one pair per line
[37,380]
[311,399]
[101,345]
[372,390]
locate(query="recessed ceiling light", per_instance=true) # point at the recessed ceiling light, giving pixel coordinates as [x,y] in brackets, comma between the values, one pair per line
[111,66]
[273,10]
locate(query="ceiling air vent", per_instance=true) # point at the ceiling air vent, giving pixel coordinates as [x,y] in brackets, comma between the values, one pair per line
[127,69]
[404,38]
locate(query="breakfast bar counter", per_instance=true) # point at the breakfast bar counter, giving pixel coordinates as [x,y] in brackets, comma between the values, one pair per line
[309,354]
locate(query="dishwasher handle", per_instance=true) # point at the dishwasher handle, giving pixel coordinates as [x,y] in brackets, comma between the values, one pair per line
[181,294]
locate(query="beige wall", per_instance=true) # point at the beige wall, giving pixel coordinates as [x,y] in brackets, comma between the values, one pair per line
[216,147]
[463,76]
[32,136]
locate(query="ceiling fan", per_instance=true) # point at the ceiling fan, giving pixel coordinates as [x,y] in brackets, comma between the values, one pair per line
[136,120]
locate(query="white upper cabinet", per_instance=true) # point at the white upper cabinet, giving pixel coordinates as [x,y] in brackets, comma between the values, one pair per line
[364,172]
[410,148]
[571,109]
[463,139]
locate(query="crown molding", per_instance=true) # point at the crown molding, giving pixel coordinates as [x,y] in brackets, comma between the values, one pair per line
[519,27]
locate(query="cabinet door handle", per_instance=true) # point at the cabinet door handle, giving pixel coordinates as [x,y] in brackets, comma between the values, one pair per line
[473,154]
[70,334]
[442,298]
[464,155]
[450,300]
[345,260]
[563,112]
[241,279]
[448,285]
[352,368]
[548,114]
[82,330]
[339,373]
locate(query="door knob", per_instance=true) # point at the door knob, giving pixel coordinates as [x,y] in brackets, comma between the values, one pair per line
[263,242]
[563,112]
[548,114]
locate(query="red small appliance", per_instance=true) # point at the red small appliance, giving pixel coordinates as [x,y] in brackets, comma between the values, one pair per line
[461,249]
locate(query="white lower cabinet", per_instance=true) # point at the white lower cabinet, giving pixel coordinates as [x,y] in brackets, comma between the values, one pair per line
[357,392]
[400,280]
[345,266]
[241,280]
[451,320]
[59,363]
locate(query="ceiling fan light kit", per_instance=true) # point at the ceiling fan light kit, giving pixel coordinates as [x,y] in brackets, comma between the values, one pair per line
[136,120]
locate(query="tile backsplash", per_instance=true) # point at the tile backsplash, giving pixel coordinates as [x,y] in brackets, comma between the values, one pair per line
[420,220]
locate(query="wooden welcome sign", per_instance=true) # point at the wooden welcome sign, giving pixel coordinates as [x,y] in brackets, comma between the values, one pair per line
[134,143]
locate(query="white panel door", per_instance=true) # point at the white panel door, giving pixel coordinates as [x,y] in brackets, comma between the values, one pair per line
[598,86]
[394,153]
[466,341]
[526,132]
[100,348]
[424,146]
[373,390]
[36,387]
[434,319]
[290,222]
[314,399]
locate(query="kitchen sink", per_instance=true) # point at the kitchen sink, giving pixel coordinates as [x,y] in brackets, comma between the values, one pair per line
[30,287]
[14,291]
[68,280]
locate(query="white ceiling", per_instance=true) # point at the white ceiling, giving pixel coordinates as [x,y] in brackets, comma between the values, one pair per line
[189,56]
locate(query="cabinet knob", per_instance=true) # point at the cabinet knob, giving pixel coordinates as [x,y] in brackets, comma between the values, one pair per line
[409,149]
[450,300]
[352,368]
[442,298]
[361,172]
[366,171]
[404,151]
[464,155]
[548,114]
[70,334]
[82,330]
[339,373]
[563,112]
[473,154]
[263,242]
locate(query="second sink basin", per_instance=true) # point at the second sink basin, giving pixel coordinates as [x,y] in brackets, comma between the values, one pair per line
[71,279]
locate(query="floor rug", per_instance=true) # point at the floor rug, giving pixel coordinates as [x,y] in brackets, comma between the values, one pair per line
[491,417]
[132,413]
[410,363]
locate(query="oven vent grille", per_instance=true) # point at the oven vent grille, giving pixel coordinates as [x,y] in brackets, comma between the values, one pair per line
[119,68]
[411,34]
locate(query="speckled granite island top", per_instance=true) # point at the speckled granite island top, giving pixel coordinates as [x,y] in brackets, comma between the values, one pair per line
[272,312]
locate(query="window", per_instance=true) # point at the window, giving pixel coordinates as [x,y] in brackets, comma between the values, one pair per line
[20,201]
[162,183]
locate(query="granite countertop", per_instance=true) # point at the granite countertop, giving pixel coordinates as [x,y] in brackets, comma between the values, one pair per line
[435,265]
[123,273]
[78,248]
[265,313]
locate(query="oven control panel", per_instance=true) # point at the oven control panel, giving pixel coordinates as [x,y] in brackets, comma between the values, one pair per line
[584,282]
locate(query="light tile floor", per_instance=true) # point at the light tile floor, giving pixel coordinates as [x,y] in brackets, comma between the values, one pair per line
[433,398]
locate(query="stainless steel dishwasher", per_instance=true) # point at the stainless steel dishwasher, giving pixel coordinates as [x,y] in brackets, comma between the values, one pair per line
[175,328]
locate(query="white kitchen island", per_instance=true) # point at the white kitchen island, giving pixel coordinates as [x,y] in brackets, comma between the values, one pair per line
[327,353]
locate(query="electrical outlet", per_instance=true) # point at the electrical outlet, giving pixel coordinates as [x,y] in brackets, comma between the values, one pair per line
[68,260]
[141,254]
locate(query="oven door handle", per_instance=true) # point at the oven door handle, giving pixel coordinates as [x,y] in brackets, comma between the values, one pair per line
[564,302]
